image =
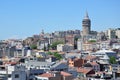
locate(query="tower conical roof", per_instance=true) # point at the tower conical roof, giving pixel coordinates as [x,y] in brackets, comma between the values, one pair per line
[86,16]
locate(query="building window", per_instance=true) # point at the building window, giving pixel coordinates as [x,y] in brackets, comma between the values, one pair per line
[9,75]
[16,75]
[35,74]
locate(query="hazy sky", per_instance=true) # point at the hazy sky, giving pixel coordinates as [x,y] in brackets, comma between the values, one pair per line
[22,18]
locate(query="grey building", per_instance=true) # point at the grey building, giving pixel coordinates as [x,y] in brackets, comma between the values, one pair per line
[43,44]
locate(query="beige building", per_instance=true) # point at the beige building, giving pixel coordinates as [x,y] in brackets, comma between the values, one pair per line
[118,33]
[86,45]
[111,33]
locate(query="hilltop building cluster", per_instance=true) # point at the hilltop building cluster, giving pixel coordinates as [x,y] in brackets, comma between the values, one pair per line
[63,55]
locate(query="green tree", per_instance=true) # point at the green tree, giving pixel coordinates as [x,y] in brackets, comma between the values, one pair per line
[75,42]
[44,48]
[48,46]
[54,44]
[113,60]
[49,53]
[33,46]
[92,40]
[57,55]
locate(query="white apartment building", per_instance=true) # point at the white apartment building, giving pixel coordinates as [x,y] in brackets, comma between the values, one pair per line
[111,33]
[104,55]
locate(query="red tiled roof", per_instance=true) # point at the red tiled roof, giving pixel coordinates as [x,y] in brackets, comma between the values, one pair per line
[65,73]
[12,63]
[47,75]
[100,72]
[94,63]
[89,57]
[84,70]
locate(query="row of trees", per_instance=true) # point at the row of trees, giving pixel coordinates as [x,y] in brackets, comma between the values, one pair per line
[52,46]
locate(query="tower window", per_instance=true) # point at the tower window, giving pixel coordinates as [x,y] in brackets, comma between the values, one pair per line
[16,75]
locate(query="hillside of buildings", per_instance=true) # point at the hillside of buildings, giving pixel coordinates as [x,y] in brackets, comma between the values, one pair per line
[63,55]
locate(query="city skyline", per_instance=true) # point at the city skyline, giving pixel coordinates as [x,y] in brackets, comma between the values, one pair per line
[21,19]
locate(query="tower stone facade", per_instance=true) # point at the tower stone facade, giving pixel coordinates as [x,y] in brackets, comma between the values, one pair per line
[86,25]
